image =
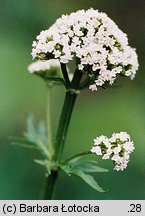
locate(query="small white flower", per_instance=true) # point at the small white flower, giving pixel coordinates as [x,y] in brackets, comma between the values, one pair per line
[112,139]
[106,156]
[96,150]
[117,149]
[120,168]
[115,157]
[128,146]
[99,82]
[100,139]
[80,67]
[93,87]
[123,136]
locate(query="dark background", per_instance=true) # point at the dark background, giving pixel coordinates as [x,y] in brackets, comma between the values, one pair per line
[102,112]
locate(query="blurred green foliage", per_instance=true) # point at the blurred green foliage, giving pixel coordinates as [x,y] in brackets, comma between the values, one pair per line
[104,112]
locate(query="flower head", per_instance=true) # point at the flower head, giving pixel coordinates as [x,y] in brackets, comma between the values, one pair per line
[101,48]
[117,148]
[38,66]
[49,69]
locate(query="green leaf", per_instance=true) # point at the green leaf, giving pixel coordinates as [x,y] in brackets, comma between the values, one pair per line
[66,169]
[41,162]
[23,142]
[78,168]
[88,179]
[41,132]
[31,133]
[34,137]
[87,166]
[37,134]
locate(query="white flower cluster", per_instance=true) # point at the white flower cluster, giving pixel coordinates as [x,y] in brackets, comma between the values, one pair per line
[117,148]
[95,40]
[43,65]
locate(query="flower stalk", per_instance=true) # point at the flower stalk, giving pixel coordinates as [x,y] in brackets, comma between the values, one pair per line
[48,117]
[75,156]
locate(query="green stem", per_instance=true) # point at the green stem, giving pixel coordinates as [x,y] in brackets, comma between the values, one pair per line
[76,156]
[65,117]
[49,126]
[67,109]
[50,186]
[64,124]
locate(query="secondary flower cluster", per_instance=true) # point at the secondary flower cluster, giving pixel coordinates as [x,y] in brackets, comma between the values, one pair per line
[101,48]
[117,148]
[50,67]
[39,66]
